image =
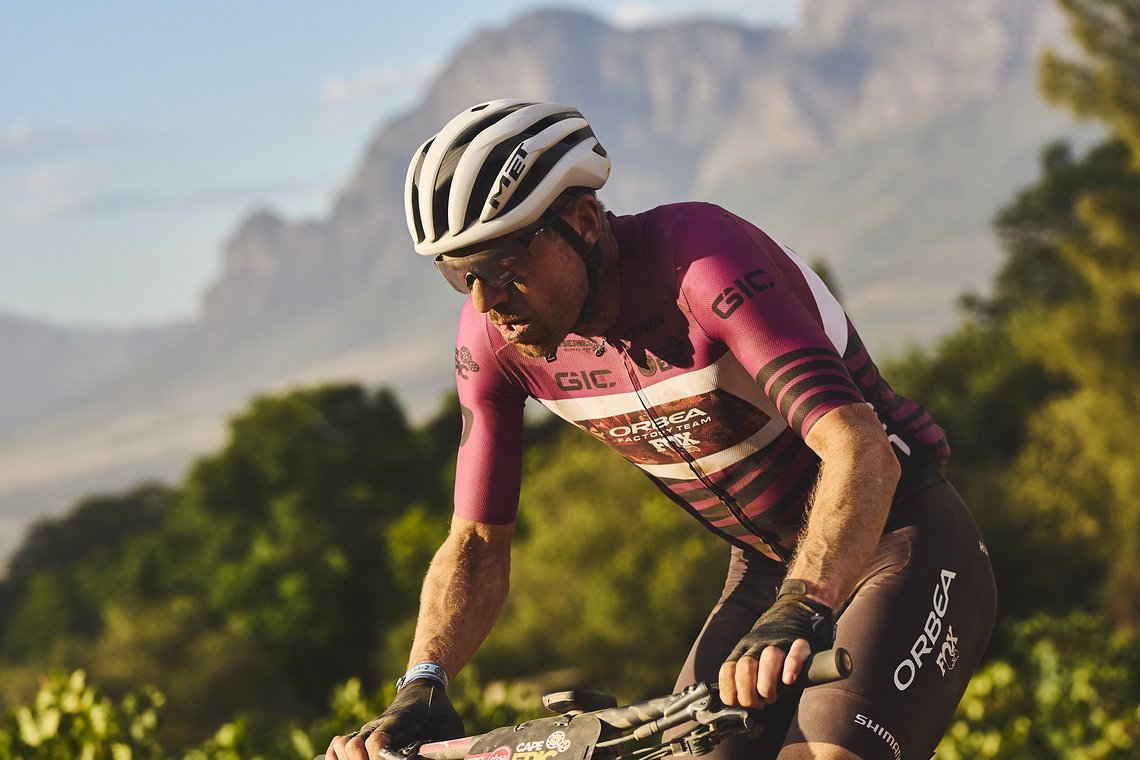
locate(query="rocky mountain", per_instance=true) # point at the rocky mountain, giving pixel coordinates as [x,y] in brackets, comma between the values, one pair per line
[880,135]
[43,363]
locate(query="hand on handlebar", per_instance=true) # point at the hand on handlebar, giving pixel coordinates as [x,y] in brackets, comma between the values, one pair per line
[775,650]
[421,711]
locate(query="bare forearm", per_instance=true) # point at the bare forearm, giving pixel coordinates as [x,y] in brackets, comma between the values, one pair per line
[852,499]
[463,594]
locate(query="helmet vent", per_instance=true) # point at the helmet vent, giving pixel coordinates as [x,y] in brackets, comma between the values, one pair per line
[494,169]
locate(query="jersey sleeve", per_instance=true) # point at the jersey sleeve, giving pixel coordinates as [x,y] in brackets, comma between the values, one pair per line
[488,470]
[774,314]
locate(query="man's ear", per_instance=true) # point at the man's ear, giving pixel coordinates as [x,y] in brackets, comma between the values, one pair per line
[586,217]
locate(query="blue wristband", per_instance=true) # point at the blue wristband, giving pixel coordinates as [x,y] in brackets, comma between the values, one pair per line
[424,670]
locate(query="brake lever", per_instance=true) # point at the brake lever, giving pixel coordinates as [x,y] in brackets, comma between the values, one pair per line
[713,727]
[740,715]
[403,753]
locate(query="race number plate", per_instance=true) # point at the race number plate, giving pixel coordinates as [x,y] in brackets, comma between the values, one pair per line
[543,739]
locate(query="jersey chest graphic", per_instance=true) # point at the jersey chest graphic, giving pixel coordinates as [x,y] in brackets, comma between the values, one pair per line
[697,425]
[715,412]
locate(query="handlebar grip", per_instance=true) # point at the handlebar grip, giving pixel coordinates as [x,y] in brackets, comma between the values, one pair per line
[825,667]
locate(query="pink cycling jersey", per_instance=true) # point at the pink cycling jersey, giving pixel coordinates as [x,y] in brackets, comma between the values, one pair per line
[726,350]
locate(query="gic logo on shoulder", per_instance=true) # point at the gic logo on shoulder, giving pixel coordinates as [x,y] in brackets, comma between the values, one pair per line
[947,656]
[741,289]
[514,169]
[583,380]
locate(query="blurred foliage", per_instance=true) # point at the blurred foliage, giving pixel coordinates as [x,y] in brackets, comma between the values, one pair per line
[1070,688]
[267,577]
[70,720]
[1079,471]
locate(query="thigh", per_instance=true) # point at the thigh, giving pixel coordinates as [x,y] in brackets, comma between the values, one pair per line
[916,627]
[749,590]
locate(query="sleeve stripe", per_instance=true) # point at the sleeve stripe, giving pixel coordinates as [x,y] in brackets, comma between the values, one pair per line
[812,384]
[815,401]
[791,374]
[801,381]
[775,366]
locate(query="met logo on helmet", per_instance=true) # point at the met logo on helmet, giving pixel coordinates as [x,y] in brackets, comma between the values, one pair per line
[514,169]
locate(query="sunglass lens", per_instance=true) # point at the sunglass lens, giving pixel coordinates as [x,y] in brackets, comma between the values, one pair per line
[492,267]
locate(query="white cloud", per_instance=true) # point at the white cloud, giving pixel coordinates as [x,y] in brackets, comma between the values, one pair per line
[20,141]
[643,13]
[376,84]
[50,191]
[634,15]
[15,136]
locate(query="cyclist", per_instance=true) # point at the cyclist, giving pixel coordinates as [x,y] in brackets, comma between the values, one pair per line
[715,360]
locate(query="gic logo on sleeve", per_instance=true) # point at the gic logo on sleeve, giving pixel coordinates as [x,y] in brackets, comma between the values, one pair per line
[742,288]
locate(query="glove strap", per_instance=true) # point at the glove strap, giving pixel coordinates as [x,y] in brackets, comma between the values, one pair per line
[429,670]
[792,586]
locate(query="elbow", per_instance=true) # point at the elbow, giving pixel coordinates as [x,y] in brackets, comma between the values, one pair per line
[887,465]
[892,468]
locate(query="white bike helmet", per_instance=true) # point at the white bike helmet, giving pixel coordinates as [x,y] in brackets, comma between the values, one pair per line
[494,169]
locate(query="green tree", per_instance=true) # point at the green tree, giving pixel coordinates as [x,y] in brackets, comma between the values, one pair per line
[1105,84]
[50,588]
[279,568]
[1035,389]
[282,534]
[1079,476]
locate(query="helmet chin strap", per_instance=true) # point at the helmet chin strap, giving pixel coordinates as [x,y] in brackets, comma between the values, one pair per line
[592,257]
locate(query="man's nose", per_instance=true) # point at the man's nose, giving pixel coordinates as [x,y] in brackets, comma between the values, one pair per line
[486,297]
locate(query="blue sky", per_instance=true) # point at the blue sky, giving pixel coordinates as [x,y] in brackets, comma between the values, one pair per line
[135,135]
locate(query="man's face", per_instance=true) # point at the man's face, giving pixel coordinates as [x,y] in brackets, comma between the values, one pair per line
[540,308]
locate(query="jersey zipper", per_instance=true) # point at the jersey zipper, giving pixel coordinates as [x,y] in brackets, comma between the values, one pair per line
[766,537]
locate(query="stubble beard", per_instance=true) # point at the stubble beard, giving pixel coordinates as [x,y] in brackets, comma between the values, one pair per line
[537,350]
[542,346]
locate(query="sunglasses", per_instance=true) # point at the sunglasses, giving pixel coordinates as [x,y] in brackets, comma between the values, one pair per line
[495,265]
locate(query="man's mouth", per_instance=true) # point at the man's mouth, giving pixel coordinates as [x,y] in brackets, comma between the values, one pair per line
[511,329]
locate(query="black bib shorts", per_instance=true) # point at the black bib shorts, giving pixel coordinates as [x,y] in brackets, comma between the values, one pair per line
[916,626]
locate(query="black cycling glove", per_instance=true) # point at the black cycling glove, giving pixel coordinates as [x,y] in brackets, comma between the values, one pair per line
[792,616]
[421,711]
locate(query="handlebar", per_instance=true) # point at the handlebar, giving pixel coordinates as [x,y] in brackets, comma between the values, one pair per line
[822,667]
[582,734]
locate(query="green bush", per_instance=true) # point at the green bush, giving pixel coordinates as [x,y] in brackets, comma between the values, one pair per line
[70,720]
[1070,689]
